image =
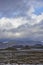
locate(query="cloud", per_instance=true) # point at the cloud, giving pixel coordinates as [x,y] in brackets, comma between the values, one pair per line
[7,24]
[13,8]
[18,20]
[17,8]
[25,31]
[22,28]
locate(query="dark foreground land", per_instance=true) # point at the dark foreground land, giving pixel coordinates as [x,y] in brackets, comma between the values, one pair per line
[26,56]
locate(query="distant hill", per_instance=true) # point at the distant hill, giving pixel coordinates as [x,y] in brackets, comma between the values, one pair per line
[38,46]
[20,44]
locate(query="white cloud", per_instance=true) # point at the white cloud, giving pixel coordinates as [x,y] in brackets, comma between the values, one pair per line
[11,22]
[39,18]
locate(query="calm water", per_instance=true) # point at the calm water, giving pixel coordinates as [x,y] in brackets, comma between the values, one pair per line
[17,64]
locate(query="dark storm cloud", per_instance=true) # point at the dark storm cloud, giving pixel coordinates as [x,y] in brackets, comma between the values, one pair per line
[12,8]
[16,8]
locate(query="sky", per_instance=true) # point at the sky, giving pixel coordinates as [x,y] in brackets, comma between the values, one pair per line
[21,19]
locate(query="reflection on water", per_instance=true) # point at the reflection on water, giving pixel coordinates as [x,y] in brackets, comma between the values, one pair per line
[19,64]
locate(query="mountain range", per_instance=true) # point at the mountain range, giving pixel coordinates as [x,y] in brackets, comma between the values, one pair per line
[16,43]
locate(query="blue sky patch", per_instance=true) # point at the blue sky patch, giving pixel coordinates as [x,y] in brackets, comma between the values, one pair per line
[38,10]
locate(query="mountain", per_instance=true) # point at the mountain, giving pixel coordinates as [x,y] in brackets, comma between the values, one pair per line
[18,43]
[38,46]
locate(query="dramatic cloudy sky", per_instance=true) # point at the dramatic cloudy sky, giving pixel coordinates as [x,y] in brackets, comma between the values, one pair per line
[21,19]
